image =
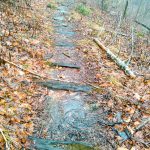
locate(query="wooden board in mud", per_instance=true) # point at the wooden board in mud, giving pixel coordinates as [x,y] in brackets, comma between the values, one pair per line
[68,86]
[48,144]
[67,65]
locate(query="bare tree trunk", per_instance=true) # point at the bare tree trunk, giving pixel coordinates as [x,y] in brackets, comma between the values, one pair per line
[125,10]
[102,5]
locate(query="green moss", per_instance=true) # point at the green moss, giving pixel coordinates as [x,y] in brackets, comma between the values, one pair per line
[48,63]
[78,147]
[50,5]
[84,10]
[25,66]
[140,34]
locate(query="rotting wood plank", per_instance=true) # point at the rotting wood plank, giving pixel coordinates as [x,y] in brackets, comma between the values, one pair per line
[55,142]
[67,65]
[68,86]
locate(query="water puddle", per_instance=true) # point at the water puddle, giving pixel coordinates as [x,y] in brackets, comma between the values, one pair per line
[65,32]
[64,44]
[62,10]
[59,18]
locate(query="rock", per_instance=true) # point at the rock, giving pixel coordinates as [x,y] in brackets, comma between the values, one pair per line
[48,56]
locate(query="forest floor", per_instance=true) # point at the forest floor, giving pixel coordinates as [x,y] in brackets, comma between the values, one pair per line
[113,115]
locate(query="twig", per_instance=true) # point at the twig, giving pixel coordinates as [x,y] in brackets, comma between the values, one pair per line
[1,97]
[119,33]
[116,30]
[148,28]
[66,55]
[6,143]
[111,124]
[13,64]
[122,16]
[94,86]
[125,10]
[5,82]
[140,141]
[132,47]
[143,124]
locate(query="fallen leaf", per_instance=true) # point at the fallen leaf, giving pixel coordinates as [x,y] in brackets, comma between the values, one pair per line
[122,148]
[137,96]
[98,76]
[35,42]
[110,103]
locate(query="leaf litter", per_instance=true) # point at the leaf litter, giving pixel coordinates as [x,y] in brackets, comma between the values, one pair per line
[127,98]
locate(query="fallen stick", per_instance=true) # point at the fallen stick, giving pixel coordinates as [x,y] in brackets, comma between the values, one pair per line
[132,49]
[140,141]
[148,28]
[6,143]
[146,121]
[13,64]
[119,62]
[66,55]
[119,33]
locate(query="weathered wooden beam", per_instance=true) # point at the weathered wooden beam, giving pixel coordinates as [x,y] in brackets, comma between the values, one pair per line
[41,141]
[68,86]
[62,64]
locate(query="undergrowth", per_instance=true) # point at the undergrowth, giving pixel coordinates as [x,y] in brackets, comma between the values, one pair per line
[84,10]
[50,5]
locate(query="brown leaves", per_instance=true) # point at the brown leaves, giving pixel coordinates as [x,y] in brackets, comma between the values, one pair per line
[16,110]
[110,103]
[137,96]
[105,85]
[17,93]
[14,120]
[34,42]
[99,76]
[17,114]
[20,95]
[26,118]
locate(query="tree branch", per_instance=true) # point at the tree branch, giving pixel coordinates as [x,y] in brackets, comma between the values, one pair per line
[119,62]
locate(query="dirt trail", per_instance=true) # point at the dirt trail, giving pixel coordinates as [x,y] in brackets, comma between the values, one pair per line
[68,116]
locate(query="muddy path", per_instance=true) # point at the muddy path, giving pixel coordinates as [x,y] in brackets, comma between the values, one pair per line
[69,119]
